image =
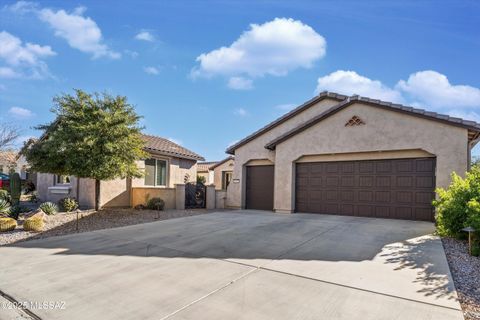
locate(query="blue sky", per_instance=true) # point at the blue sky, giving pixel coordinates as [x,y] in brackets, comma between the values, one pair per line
[208,73]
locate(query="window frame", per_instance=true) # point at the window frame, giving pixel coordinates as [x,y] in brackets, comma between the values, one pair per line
[57,183]
[167,173]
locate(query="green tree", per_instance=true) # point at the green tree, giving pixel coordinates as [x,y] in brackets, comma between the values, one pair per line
[94,136]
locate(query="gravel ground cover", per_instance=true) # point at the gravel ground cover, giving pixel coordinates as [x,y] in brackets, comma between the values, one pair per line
[66,223]
[466,275]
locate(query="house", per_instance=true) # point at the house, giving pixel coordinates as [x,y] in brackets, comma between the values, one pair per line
[203,170]
[10,161]
[218,173]
[223,173]
[350,155]
[168,164]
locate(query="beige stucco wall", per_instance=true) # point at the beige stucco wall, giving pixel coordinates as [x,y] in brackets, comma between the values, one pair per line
[141,196]
[204,174]
[255,149]
[217,172]
[393,133]
[116,193]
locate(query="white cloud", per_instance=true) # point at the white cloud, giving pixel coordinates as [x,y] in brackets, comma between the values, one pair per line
[22,7]
[433,89]
[240,83]
[132,54]
[20,113]
[151,70]
[81,32]
[350,82]
[145,36]
[240,112]
[430,90]
[22,59]
[273,48]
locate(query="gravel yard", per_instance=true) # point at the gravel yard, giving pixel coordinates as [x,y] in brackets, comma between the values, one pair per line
[65,223]
[465,270]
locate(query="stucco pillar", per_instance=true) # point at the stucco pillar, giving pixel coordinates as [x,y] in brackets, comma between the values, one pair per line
[210,197]
[180,196]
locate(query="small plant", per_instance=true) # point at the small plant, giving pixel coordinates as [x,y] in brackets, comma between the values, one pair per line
[15,187]
[155,204]
[14,211]
[49,208]
[4,206]
[4,195]
[476,250]
[7,224]
[34,224]
[201,179]
[34,197]
[28,187]
[68,204]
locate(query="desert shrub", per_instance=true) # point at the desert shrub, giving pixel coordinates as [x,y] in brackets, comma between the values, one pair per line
[68,204]
[4,206]
[458,206]
[34,197]
[14,211]
[34,224]
[201,179]
[155,204]
[476,250]
[7,224]
[4,195]
[28,187]
[49,208]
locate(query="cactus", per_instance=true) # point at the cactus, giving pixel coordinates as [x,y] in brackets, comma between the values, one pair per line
[35,224]
[15,187]
[7,224]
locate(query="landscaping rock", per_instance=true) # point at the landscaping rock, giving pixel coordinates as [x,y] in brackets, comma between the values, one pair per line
[35,214]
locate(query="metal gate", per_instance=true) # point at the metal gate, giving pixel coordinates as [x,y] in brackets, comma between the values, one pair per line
[195,196]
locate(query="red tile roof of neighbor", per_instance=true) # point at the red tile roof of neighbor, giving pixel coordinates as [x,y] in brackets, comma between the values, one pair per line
[8,156]
[205,166]
[167,147]
[345,101]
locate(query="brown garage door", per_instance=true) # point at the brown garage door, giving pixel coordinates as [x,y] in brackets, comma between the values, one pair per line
[396,189]
[259,193]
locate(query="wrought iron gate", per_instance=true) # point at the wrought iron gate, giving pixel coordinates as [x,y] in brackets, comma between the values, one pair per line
[195,196]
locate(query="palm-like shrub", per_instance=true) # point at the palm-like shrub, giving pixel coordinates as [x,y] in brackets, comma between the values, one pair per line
[4,195]
[49,208]
[14,211]
[68,204]
[34,224]
[7,224]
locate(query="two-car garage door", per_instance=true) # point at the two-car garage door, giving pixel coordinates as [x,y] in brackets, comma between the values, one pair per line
[396,189]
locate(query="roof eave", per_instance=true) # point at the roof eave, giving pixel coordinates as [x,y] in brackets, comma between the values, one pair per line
[173,154]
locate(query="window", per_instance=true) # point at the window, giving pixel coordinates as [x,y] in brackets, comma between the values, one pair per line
[155,172]
[226,179]
[60,179]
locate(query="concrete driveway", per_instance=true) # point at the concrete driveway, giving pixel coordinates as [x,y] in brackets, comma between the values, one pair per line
[238,265]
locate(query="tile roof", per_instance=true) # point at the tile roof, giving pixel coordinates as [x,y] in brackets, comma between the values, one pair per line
[470,125]
[8,157]
[167,147]
[287,116]
[222,162]
[205,166]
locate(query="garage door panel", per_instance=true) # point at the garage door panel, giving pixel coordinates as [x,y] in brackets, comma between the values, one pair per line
[395,188]
[259,187]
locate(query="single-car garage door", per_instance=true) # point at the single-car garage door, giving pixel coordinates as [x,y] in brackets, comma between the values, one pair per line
[396,188]
[259,193]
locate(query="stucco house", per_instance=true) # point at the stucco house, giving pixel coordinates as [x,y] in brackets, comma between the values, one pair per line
[350,155]
[203,170]
[218,173]
[168,164]
[10,160]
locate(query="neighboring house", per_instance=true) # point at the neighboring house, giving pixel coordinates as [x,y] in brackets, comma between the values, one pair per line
[11,161]
[203,170]
[223,173]
[352,156]
[168,164]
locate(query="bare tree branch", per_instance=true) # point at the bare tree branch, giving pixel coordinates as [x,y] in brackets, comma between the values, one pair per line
[8,135]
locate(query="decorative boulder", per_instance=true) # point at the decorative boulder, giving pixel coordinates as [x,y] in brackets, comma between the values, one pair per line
[35,214]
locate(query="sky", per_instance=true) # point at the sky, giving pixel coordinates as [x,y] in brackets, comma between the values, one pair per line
[207,73]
